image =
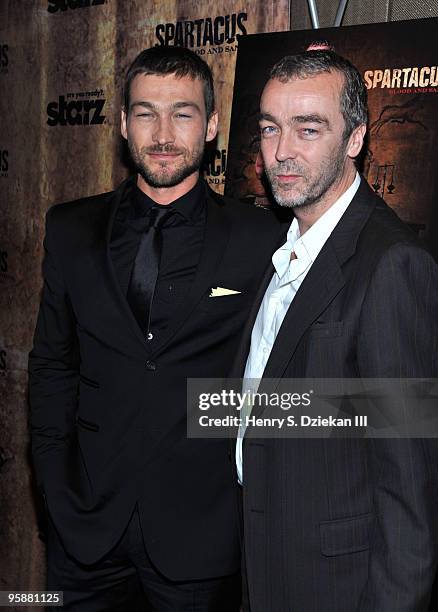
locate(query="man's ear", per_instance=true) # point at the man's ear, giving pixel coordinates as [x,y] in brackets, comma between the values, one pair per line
[123,120]
[355,142]
[212,126]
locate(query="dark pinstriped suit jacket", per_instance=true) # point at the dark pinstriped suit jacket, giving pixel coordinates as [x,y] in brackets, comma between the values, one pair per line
[342,525]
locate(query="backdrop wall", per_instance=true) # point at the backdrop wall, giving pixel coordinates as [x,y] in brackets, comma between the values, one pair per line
[61,69]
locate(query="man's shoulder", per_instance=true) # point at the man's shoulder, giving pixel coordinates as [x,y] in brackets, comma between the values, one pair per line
[386,230]
[246,212]
[87,207]
[76,208]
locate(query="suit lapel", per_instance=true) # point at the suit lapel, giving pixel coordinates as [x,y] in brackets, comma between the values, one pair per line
[127,316]
[100,301]
[216,235]
[323,282]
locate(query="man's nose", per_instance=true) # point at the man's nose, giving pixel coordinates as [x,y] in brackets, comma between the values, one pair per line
[287,147]
[163,133]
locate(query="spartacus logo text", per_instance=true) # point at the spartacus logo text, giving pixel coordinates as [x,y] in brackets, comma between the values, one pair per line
[214,167]
[399,78]
[63,5]
[73,109]
[201,32]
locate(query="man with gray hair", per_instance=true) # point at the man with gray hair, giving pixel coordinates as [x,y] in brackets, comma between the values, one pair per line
[347,524]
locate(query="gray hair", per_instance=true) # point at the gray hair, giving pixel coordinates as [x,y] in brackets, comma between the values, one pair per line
[311,63]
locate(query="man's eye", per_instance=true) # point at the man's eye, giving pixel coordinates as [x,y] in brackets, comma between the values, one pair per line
[268,130]
[144,115]
[309,132]
[183,116]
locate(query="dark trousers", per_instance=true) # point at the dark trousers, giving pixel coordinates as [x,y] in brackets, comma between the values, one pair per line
[127,580]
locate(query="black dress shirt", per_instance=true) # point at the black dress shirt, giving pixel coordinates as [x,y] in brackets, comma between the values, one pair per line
[182,239]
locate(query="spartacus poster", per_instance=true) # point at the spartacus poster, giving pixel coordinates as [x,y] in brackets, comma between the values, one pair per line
[399,65]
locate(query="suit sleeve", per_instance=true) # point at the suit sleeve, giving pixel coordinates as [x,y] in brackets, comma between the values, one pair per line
[398,339]
[53,367]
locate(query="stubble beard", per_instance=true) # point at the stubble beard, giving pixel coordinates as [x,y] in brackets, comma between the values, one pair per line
[314,187]
[191,162]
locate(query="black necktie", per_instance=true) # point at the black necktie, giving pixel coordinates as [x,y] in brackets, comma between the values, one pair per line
[146,266]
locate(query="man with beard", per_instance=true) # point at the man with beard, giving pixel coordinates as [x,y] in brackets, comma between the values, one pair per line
[335,525]
[144,287]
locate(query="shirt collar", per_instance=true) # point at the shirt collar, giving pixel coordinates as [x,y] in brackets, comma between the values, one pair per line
[188,205]
[308,246]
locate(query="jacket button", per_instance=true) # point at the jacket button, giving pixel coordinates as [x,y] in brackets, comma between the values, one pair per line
[151,366]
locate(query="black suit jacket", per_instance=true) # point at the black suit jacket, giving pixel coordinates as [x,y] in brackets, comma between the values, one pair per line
[108,414]
[340,525]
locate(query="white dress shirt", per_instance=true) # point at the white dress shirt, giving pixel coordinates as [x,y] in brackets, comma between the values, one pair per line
[285,282]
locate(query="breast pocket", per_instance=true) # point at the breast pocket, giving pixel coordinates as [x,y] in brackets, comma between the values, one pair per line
[333,329]
[327,351]
[223,304]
